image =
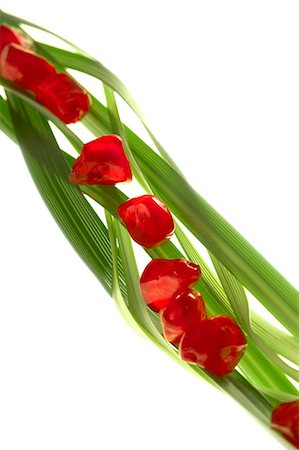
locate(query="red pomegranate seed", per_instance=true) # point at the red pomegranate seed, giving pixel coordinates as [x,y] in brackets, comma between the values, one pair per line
[285,419]
[102,161]
[215,344]
[64,97]
[147,219]
[181,314]
[10,35]
[24,67]
[164,279]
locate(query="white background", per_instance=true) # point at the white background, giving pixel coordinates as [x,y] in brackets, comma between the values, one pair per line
[218,82]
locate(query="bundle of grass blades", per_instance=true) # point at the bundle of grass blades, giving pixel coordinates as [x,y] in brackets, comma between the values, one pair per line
[262,379]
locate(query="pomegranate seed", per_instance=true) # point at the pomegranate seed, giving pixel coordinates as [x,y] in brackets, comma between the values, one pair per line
[147,219]
[64,97]
[10,35]
[215,344]
[164,279]
[181,314]
[24,67]
[102,161]
[285,419]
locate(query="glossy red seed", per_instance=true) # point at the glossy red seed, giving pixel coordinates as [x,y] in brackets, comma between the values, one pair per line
[24,67]
[285,419]
[181,314]
[64,97]
[9,35]
[102,161]
[215,344]
[147,219]
[164,279]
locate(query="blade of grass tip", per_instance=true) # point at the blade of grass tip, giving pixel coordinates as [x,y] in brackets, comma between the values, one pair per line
[238,300]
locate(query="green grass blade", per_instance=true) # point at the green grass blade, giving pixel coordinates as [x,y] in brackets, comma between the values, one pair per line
[280,342]
[238,300]
[120,301]
[74,215]
[279,397]
[118,128]
[29,99]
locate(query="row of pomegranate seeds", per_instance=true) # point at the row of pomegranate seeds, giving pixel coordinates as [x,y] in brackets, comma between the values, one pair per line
[216,343]
[103,162]
[58,92]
